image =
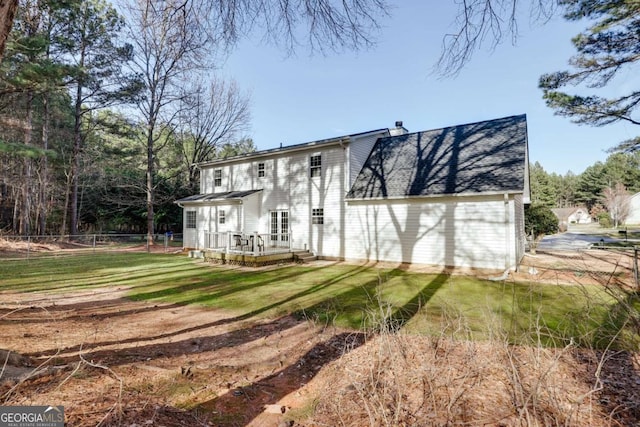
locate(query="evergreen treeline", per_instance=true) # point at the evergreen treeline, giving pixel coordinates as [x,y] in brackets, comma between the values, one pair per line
[80,148]
[588,188]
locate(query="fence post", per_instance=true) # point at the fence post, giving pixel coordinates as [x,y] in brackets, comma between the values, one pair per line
[636,274]
[166,241]
[94,243]
[28,246]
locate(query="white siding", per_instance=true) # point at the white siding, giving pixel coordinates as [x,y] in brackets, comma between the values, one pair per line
[519,228]
[457,231]
[634,210]
[252,208]
[287,185]
[327,192]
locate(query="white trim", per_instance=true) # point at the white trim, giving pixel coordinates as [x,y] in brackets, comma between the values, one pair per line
[433,196]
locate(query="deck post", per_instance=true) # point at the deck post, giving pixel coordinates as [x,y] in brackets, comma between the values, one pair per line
[228,241]
[255,248]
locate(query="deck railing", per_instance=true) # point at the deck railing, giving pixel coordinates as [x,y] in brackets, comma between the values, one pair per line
[248,243]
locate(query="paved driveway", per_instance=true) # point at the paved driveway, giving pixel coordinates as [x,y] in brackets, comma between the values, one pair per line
[573,241]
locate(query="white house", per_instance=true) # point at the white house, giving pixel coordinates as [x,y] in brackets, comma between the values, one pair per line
[634,210]
[572,215]
[452,197]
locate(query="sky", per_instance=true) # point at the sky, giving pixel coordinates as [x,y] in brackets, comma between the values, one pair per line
[305,97]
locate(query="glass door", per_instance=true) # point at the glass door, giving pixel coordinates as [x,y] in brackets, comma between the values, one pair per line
[279,233]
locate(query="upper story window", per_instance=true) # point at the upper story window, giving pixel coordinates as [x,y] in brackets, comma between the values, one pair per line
[217,178]
[260,170]
[317,216]
[221,216]
[191,219]
[315,165]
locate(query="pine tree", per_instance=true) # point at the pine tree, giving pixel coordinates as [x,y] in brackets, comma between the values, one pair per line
[606,48]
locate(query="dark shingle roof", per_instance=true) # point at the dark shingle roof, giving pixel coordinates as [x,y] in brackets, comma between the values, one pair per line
[210,197]
[479,157]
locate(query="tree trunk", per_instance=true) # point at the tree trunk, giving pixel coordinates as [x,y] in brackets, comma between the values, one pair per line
[44,180]
[150,169]
[25,214]
[65,210]
[8,10]
[75,168]
[77,144]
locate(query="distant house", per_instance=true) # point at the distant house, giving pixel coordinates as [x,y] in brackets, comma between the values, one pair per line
[451,197]
[634,210]
[573,215]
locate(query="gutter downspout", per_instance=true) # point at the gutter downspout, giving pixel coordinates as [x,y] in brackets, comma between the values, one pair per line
[507,255]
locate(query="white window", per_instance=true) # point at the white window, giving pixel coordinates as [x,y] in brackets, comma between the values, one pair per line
[315,165]
[260,170]
[279,226]
[221,216]
[317,216]
[191,219]
[217,178]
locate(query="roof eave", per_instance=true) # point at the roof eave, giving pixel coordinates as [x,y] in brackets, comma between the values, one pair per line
[270,152]
[435,196]
[294,148]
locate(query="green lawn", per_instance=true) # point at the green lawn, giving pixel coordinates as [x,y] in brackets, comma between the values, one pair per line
[352,296]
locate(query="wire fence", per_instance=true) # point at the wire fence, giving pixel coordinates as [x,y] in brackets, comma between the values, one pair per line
[26,247]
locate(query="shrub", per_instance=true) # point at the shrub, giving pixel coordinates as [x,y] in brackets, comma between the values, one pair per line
[604,219]
[539,221]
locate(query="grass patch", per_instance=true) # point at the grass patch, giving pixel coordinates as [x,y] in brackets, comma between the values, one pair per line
[351,296]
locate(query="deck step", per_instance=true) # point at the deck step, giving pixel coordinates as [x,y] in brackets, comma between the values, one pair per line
[305,256]
[196,254]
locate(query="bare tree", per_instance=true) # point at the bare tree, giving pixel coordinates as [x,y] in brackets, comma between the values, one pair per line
[212,116]
[326,24]
[170,42]
[486,21]
[616,199]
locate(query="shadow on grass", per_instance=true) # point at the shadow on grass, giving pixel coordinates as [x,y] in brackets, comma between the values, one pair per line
[402,315]
[221,282]
[364,307]
[221,322]
[619,326]
[90,271]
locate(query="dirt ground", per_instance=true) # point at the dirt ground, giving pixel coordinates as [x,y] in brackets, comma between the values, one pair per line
[112,361]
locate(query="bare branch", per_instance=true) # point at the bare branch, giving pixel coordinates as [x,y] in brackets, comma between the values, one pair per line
[485,21]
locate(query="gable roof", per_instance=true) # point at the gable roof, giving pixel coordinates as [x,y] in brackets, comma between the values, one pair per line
[483,157]
[211,197]
[564,213]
